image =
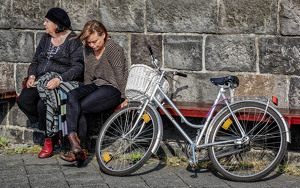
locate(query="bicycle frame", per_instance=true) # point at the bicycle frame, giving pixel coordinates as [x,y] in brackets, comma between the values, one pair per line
[203,127]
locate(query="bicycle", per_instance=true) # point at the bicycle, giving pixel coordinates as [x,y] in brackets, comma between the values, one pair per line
[246,139]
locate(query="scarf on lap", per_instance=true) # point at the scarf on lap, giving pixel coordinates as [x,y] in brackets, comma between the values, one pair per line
[55,101]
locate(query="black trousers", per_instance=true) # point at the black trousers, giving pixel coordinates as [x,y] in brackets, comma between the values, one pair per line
[31,104]
[89,99]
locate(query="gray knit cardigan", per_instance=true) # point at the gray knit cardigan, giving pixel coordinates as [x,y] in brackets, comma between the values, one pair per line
[68,61]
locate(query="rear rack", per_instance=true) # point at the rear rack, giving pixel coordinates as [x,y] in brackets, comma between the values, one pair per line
[260,98]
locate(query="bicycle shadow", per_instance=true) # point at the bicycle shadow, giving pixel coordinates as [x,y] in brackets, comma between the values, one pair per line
[148,170]
[220,176]
[164,152]
[144,170]
[154,164]
[197,171]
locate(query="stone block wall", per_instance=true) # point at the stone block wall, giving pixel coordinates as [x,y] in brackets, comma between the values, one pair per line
[256,40]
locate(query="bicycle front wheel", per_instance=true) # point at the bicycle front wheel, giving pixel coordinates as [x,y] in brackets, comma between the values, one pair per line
[122,148]
[256,157]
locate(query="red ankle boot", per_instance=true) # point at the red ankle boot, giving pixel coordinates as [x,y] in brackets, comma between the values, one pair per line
[47,149]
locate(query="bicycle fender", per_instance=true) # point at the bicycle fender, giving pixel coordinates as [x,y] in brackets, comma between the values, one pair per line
[287,130]
[284,121]
[160,127]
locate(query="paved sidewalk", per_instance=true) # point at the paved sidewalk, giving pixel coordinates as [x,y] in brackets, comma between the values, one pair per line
[28,170]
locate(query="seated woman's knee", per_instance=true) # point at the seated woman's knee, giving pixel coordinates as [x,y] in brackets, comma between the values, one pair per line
[72,97]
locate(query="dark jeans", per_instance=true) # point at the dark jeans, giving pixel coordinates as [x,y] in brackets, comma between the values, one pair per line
[89,99]
[31,104]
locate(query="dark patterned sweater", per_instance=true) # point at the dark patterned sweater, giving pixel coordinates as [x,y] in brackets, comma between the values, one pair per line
[110,69]
[67,61]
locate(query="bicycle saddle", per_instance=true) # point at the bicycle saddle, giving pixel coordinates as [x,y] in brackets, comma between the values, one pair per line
[231,81]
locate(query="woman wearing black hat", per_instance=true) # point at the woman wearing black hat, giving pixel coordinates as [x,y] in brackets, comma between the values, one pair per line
[55,54]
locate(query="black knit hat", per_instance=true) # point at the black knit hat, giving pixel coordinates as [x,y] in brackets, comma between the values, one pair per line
[59,16]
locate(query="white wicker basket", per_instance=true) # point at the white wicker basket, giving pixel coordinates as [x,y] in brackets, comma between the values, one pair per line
[141,82]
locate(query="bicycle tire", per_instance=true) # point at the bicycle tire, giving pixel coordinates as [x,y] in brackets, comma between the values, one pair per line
[119,153]
[259,156]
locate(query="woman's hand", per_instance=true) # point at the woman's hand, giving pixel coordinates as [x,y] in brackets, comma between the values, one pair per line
[30,82]
[53,83]
[124,103]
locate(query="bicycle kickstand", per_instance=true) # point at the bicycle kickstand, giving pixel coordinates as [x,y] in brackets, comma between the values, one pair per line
[193,163]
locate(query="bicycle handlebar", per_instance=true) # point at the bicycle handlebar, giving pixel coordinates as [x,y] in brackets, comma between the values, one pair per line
[154,62]
[150,49]
[180,74]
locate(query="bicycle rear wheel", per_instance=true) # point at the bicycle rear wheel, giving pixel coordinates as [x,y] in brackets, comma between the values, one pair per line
[122,149]
[258,156]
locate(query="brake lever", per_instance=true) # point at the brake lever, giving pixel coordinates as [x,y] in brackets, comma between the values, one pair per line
[172,76]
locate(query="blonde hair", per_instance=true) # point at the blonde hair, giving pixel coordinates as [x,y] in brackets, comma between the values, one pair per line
[89,28]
